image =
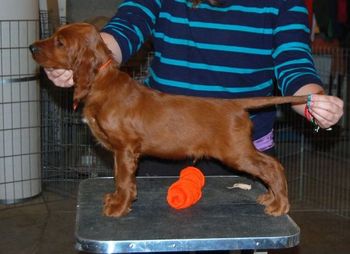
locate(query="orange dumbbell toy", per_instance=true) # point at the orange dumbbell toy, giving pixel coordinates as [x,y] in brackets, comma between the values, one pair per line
[186,191]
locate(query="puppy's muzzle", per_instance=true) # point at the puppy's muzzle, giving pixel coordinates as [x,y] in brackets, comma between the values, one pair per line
[34,49]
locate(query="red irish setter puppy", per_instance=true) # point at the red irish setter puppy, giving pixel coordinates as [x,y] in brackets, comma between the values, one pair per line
[132,120]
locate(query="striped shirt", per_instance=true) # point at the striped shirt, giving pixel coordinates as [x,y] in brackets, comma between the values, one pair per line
[242,48]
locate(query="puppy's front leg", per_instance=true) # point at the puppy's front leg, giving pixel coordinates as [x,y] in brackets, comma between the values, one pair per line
[118,203]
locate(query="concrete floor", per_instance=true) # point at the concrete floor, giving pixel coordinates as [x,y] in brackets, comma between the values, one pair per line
[45,225]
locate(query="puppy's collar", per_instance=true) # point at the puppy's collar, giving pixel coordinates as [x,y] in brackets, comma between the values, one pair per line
[108,62]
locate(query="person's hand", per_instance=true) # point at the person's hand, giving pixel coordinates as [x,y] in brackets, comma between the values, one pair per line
[60,77]
[326,110]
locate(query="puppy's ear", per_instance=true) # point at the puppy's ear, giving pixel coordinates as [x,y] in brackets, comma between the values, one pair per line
[84,73]
[92,54]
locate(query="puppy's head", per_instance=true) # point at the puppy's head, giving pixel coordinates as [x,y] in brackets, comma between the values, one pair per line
[76,47]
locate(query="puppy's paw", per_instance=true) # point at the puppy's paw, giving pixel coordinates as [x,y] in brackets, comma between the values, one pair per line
[115,205]
[107,198]
[266,199]
[275,205]
[279,210]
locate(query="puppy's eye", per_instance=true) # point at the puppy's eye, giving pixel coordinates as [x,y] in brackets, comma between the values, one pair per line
[59,42]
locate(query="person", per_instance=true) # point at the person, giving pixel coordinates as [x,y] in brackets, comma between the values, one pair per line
[223,49]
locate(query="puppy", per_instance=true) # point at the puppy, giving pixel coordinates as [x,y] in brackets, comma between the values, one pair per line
[132,120]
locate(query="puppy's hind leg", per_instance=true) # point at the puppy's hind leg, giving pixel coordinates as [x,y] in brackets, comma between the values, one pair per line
[271,172]
[118,203]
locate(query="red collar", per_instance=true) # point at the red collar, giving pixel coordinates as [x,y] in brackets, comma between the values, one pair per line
[105,64]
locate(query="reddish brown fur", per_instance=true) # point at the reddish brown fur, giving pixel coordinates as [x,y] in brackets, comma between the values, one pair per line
[132,120]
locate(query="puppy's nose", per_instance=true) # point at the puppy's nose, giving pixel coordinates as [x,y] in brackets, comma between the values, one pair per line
[33,48]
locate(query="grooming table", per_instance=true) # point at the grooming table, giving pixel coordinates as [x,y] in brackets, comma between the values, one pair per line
[224,219]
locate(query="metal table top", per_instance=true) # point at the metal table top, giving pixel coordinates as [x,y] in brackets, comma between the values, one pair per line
[224,219]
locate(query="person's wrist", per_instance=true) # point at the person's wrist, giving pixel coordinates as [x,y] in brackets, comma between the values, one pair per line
[308,114]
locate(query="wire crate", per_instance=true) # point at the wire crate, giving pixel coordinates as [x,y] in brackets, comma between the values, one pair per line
[317,163]
[20,155]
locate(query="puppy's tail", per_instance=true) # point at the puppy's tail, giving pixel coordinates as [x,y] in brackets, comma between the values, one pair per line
[259,102]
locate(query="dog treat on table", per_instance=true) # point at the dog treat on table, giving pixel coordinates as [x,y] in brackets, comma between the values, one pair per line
[242,186]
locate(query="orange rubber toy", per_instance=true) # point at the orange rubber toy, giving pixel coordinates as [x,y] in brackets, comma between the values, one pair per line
[186,191]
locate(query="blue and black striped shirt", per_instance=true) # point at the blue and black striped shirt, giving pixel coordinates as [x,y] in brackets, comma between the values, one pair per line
[242,48]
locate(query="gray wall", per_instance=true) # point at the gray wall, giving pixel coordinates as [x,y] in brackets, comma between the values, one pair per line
[80,10]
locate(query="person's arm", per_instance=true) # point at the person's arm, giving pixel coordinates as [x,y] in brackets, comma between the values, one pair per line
[326,110]
[113,46]
[294,66]
[132,25]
